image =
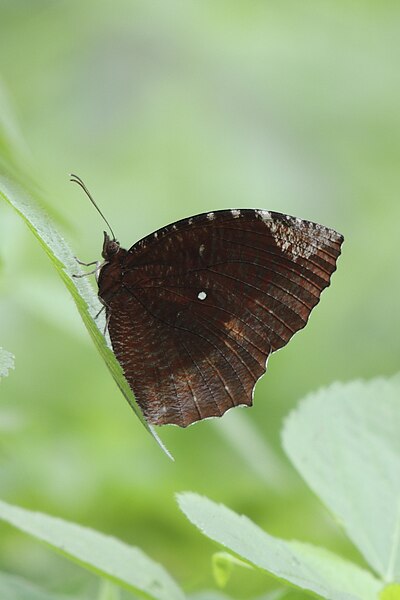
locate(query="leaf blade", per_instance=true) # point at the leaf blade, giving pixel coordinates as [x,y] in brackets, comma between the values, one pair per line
[344,441]
[104,555]
[301,565]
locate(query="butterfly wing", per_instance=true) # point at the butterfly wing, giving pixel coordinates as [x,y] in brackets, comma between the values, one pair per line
[202,304]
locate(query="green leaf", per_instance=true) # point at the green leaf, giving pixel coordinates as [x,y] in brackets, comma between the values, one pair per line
[345,441]
[390,592]
[125,565]
[223,564]
[84,297]
[16,588]
[302,565]
[6,362]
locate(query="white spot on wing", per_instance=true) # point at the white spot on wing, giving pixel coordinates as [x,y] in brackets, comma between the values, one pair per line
[201,249]
[235,213]
[210,216]
[202,295]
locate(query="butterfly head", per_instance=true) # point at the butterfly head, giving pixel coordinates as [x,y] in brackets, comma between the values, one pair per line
[110,247]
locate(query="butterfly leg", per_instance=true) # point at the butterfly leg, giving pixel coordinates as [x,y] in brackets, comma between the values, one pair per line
[107,322]
[95,271]
[107,316]
[77,276]
[107,319]
[100,311]
[89,264]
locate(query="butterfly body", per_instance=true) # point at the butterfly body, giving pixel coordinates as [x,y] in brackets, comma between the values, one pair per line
[195,309]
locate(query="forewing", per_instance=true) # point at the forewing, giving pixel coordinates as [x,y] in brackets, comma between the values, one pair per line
[206,300]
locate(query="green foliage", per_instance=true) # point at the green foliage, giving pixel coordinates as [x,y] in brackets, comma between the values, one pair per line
[345,442]
[329,437]
[223,564]
[104,555]
[303,565]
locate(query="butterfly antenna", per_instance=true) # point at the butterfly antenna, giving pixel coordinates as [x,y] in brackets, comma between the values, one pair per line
[78,180]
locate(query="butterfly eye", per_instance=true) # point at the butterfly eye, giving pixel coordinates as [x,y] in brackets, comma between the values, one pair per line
[112,247]
[202,295]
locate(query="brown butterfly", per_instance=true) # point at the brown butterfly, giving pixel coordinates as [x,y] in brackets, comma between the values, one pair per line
[195,309]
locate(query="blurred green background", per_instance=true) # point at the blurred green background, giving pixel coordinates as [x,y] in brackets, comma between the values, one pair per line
[168,109]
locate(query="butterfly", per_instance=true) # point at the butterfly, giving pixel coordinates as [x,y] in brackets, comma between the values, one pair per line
[195,309]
